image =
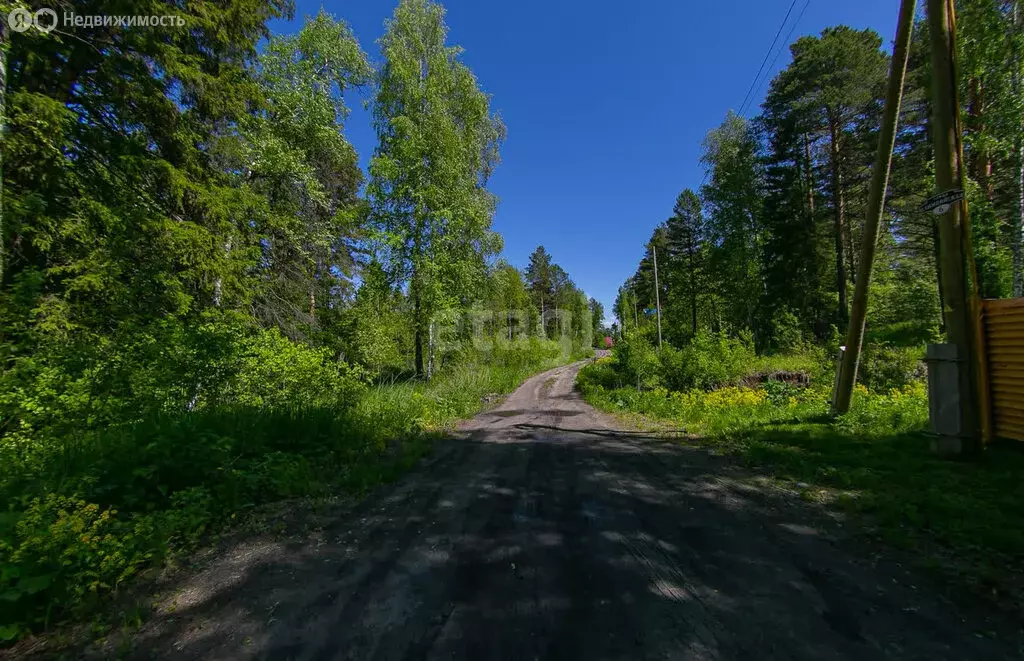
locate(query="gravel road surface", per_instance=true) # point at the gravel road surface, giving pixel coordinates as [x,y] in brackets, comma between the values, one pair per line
[540,531]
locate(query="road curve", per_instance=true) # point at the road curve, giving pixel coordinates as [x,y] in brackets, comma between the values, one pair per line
[541,532]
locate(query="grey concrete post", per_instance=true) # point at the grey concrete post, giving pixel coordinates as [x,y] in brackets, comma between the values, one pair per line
[944,399]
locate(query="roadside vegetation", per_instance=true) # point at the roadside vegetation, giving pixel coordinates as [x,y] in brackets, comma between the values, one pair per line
[872,464]
[754,277]
[89,511]
[205,303]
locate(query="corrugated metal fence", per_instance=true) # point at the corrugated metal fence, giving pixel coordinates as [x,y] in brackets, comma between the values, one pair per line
[1003,322]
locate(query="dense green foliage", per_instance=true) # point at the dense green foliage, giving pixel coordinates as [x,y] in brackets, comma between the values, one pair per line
[734,405]
[770,243]
[87,516]
[206,305]
[438,143]
[201,307]
[755,272]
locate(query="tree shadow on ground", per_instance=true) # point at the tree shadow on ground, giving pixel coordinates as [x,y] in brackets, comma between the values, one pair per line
[543,542]
[961,517]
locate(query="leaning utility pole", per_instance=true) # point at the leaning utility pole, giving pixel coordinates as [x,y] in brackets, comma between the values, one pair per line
[3,134]
[657,293]
[953,227]
[1017,237]
[876,206]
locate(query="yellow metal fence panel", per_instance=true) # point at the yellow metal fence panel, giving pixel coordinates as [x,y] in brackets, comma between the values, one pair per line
[1004,344]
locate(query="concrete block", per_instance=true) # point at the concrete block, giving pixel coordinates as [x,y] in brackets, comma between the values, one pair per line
[943,390]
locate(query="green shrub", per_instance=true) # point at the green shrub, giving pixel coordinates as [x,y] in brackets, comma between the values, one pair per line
[735,409]
[602,373]
[786,335]
[898,411]
[272,371]
[188,518]
[706,411]
[884,367]
[64,553]
[780,392]
[638,361]
[273,419]
[708,361]
[282,475]
[916,332]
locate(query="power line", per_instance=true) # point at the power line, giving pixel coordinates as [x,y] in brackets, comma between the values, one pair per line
[766,56]
[784,42]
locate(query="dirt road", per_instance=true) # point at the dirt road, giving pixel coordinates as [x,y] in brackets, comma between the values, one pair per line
[542,533]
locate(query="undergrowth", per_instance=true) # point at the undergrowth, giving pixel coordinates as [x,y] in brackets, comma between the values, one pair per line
[873,463]
[88,510]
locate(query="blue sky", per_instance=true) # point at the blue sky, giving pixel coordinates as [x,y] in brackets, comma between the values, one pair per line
[606,105]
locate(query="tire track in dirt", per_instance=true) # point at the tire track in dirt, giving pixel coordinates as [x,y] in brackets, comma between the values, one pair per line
[542,531]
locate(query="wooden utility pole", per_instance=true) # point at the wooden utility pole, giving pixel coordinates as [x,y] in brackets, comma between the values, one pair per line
[3,134]
[1017,239]
[876,206]
[657,293]
[953,228]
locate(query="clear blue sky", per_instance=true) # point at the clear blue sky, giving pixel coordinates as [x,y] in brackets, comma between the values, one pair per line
[606,105]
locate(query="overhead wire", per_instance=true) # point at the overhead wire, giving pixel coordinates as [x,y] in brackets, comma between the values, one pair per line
[766,56]
[783,46]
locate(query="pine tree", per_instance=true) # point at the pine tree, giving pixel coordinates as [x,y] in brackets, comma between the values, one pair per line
[684,260]
[832,90]
[597,320]
[540,281]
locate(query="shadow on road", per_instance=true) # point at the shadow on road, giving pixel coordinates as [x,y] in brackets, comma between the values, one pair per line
[636,436]
[537,541]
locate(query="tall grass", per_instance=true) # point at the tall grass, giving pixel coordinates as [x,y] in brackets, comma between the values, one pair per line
[732,408]
[872,463]
[89,510]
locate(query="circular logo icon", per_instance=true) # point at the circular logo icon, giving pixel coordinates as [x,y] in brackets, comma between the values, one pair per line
[45,19]
[19,19]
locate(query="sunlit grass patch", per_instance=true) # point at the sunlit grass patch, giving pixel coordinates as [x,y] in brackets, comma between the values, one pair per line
[873,463]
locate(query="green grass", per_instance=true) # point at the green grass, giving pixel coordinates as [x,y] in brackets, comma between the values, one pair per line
[872,465]
[458,392]
[88,512]
[808,362]
[906,495]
